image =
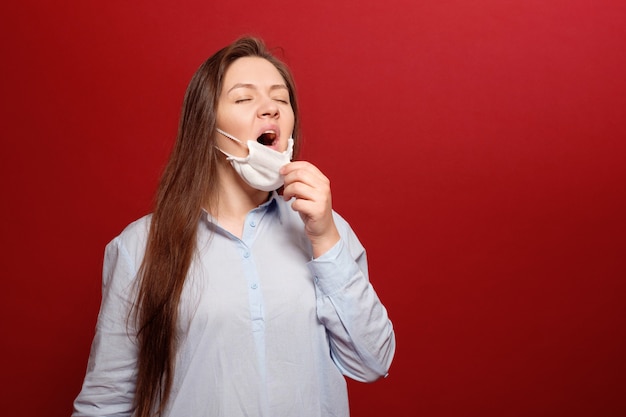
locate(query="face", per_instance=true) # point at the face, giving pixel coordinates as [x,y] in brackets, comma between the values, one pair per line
[254,105]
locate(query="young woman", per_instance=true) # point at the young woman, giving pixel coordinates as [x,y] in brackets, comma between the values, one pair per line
[232,299]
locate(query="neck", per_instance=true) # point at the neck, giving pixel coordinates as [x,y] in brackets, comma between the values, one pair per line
[234,200]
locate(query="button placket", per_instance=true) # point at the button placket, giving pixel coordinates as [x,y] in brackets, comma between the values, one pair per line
[252,280]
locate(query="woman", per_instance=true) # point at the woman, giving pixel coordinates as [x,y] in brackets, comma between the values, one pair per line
[231,299]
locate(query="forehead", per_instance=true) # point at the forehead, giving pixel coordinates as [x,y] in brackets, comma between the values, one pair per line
[252,70]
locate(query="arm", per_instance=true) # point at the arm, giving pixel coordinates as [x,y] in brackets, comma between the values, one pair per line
[361,335]
[109,384]
[362,339]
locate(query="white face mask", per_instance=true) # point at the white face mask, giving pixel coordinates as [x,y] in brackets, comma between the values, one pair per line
[260,168]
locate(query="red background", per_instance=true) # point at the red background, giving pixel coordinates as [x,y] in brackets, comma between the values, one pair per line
[478,148]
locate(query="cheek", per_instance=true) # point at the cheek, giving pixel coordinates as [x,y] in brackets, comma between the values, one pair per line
[291,122]
[224,118]
[220,117]
[229,115]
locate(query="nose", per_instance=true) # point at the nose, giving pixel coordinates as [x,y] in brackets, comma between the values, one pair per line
[268,109]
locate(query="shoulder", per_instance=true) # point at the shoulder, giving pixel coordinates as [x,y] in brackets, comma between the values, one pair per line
[131,242]
[348,236]
[342,224]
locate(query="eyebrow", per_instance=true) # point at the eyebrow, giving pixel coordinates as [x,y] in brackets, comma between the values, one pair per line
[254,87]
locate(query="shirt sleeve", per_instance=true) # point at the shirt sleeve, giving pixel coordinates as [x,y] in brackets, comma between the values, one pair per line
[362,340]
[109,384]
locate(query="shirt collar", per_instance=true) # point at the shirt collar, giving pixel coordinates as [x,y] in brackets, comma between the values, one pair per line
[271,206]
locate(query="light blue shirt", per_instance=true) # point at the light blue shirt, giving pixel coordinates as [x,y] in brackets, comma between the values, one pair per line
[264,329]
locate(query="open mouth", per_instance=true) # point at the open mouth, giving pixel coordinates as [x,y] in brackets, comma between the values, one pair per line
[267,138]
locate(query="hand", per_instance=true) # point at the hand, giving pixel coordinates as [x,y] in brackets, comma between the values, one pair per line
[311,190]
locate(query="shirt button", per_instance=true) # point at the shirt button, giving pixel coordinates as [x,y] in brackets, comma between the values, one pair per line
[254,286]
[252,223]
[246,254]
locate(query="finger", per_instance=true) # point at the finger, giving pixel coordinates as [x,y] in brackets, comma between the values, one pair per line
[299,190]
[320,201]
[299,178]
[293,165]
[310,211]
[309,176]
[298,166]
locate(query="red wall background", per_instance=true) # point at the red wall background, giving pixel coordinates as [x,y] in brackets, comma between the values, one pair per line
[478,148]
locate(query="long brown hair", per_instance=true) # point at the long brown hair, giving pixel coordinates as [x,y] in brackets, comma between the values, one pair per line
[187,185]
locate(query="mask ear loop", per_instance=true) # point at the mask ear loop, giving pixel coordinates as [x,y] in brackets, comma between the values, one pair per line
[229,136]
